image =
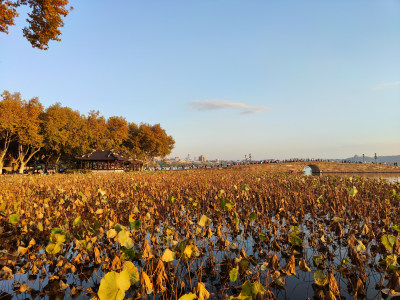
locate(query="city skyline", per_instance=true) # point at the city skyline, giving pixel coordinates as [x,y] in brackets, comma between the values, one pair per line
[225,79]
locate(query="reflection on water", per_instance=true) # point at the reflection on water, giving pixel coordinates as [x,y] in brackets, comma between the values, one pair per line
[390,177]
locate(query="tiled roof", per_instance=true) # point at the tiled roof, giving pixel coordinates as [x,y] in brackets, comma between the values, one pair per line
[103,155]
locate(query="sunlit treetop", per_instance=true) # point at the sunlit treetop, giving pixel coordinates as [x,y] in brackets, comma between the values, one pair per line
[44,19]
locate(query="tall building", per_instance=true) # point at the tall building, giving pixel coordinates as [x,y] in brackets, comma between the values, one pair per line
[202,158]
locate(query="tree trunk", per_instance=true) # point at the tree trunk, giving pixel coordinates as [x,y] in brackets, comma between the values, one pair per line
[58,158]
[21,168]
[2,154]
[21,157]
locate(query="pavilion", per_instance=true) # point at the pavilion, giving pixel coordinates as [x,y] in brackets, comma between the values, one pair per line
[107,160]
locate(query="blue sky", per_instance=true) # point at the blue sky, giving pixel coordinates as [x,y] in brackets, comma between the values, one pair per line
[225,78]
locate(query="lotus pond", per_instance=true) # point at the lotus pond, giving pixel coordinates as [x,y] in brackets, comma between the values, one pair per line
[239,233]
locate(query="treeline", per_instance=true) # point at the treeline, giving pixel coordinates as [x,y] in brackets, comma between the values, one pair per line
[56,134]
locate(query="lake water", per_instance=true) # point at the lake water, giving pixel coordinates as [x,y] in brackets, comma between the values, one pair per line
[391,177]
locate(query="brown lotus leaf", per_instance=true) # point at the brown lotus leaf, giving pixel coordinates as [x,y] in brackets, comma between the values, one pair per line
[274,264]
[394,282]
[116,263]
[6,273]
[290,267]
[147,253]
[329,295]
[332,283]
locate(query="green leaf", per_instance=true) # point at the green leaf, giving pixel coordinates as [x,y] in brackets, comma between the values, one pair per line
[245,187]
[253,216]
[262,236]
[296,229]
[189,296]
[128,253]
[388,241]
[57,230]
[318,260]
[13,219]
[172,199]
[226,204]
[236,217]
[391,260]
[135,225]
[320,278]
[353,191]
[252,289]
[295,240]
[53,248]
[233,274]
[204,221]
[119,227]
[132,270]
[320,200]
[113,285]
[40,226]
[244,265]
[168,255]
[396,227]
[77,221]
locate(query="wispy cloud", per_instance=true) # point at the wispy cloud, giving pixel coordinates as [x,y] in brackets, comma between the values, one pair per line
[225,104]
[385,85]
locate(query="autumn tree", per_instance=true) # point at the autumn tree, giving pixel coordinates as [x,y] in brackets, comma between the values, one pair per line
[29,137]
[10,108]
[62,128]
[45,19]
[117,132]
[145,142]
[95,131]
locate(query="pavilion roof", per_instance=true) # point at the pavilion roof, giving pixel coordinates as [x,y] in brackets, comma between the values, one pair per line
[103,155]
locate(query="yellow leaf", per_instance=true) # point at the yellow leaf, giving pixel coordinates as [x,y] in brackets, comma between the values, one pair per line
[53,248]
[124,239]
[113,285]
[201,291]
[21,250]
[132,270]
[168,255]
[111,233]
[204,221]
[189,249]
[189,296]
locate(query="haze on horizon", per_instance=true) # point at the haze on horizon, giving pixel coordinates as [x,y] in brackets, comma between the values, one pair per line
[226,78]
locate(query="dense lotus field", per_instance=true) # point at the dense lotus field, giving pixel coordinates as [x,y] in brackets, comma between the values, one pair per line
[238,233]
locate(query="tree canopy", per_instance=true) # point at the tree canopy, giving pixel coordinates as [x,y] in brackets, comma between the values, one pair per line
[28,131]
[45,19]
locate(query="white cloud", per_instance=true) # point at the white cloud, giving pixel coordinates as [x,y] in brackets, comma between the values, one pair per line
[385,85]
[225,104]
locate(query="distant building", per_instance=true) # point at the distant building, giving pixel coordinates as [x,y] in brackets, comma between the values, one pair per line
[202,158]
